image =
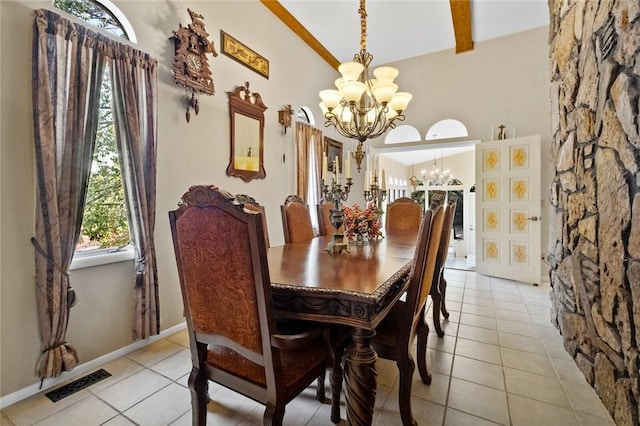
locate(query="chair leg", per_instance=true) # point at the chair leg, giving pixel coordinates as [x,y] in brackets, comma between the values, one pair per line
[336,389]
[435,310]
[273,415]
[198,385]
[320,393]
[423,334]
[443,292]
[406,367]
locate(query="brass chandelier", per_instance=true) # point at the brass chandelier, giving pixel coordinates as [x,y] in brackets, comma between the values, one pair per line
[363,108]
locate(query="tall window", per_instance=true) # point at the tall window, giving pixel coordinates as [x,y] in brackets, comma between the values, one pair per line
[304,114]
[312,198]
[104,223]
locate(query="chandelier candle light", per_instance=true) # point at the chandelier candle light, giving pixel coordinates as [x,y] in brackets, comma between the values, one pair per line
[363,108]
[375,193]
[333,190]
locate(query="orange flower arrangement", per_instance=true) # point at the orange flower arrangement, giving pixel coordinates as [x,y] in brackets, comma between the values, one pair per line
[361,222]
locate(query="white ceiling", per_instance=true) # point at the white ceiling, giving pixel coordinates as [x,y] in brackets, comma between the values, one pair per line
[401,29]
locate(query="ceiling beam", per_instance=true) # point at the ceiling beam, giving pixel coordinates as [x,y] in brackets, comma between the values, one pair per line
[461,14]
[290,21]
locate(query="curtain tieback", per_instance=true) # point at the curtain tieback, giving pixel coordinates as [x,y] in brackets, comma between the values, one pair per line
[71,293]
[55,345]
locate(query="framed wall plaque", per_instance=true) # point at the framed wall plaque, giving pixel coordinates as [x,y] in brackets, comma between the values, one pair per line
[241,53]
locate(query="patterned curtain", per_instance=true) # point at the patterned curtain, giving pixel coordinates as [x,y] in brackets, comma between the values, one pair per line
[68,65]
[67,74]
[307,135]
[134,80]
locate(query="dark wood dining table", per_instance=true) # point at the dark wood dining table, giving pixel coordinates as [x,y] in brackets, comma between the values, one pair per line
[355,289]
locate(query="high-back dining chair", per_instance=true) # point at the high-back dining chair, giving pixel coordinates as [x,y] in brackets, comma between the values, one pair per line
[251,204]
[296,220]
[439,285]
[404,214]
[234,338]
[325,227]
[395,334]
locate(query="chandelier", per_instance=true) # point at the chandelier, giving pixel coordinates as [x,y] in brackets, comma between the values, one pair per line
[438,177]
[363,108]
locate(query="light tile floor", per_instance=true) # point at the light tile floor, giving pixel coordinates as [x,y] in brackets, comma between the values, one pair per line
[500,362]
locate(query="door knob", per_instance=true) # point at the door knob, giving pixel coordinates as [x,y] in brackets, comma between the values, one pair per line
[533,218]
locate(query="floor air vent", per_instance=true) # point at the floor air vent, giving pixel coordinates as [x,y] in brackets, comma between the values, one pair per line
[77,385]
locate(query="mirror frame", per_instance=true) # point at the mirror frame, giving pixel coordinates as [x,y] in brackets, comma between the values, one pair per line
[243,102]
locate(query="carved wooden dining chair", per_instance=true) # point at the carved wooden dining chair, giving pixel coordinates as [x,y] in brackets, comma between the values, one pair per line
[395,334]
[403,214]
[325,227]
[251,204]
[296,220]
[439,285]
[234,337]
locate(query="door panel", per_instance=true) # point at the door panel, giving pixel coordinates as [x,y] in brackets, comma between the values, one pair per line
[508,209]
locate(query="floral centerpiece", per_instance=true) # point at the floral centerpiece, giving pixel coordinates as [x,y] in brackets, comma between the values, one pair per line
[359,223]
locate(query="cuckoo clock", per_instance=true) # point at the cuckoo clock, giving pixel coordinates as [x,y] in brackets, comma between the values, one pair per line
[190,66]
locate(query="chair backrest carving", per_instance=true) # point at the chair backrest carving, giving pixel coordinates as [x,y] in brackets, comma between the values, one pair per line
[251,204]
[404,214]
[296,220]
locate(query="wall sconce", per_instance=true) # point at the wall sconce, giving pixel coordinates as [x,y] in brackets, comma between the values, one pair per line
[358,155]
[284,117]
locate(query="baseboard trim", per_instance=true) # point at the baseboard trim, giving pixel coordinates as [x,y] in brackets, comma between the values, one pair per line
[28,391]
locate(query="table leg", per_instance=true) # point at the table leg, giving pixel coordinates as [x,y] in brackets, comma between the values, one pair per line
[360,377]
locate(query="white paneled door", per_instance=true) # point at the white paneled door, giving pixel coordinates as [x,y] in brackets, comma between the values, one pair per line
[508,230]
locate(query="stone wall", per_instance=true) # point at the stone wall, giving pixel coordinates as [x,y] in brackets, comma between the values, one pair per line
[595,194]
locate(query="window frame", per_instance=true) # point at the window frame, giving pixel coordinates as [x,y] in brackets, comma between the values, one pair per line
[92,258]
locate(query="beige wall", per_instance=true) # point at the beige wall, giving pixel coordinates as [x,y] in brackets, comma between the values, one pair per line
[502,81]
[198,152]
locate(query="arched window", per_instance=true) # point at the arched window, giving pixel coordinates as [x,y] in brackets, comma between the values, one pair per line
[100,13]
[305,115]
[446,129]
[104,224]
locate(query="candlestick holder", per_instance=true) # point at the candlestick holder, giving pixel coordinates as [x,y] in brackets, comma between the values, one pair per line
[337,194]
[375,195]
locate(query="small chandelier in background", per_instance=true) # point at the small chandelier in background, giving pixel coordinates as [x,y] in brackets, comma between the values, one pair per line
[363,108]
[437,177]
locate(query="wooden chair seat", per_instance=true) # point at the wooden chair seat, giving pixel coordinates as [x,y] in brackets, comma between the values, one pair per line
[294,363]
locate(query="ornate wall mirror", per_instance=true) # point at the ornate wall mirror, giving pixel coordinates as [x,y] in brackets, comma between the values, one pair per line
[247,134]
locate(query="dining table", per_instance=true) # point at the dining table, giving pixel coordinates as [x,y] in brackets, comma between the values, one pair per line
[355,289]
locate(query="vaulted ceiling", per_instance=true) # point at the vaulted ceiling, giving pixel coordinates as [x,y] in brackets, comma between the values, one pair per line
[401,29]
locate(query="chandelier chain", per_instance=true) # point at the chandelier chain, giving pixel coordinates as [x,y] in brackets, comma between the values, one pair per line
[363,25]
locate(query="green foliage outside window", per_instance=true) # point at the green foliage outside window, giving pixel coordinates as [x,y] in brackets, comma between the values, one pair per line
[105,217]
[104,223]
